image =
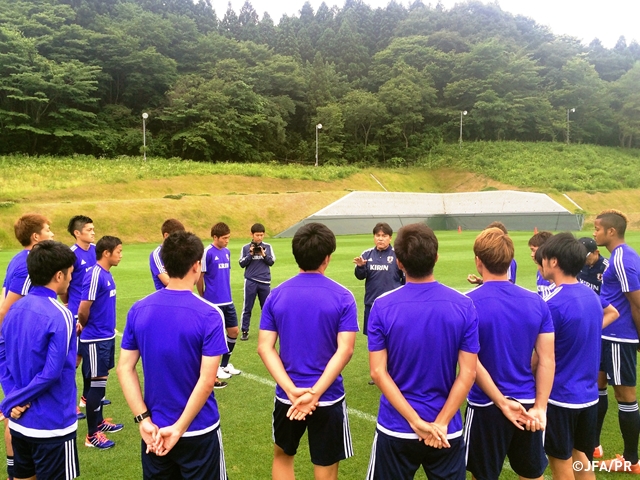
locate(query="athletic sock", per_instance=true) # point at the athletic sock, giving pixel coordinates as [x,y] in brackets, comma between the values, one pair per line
[94,405]
[231,344]
[603,406]
[86,385]
[10,467]
[629,419]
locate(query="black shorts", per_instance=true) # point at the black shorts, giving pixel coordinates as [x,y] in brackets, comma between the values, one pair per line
[329,432]
[97,357]
[491,438]
[230,315]
[569,428]
[619,361]
[48,459]
[399,459]
[192,458]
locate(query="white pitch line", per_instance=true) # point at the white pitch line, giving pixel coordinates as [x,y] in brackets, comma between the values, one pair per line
[272,384]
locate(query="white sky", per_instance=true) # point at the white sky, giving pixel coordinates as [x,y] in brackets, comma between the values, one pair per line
[584,19]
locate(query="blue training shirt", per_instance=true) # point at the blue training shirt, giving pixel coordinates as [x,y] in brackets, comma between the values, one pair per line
[100,288]
[173,330]
[423,327]
[622,276]
[577,321]
[512,271]
[85,259]
[156,266]
[257,267]
[38,352]
[307,312]
[545,287]
[216,267]
[17,278]
[591,276]
[510,318]
[381,273]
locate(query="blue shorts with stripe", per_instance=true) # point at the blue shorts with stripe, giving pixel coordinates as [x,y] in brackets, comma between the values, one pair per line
[619,361]
[53,458]
[192,458]
[569,428]
[329,432]
[97,357]
[395,458]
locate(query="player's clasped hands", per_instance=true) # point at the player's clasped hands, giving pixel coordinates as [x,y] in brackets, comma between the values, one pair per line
[303,403]
[432,434]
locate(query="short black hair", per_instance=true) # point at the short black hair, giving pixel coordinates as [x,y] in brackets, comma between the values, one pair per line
[383,227]
[220,229]
[180,251]
[569,253]
[311,244]
[46,259]
[613,219]
[416,247]
[257,228]
[77,223]
[171,225]
[106,244]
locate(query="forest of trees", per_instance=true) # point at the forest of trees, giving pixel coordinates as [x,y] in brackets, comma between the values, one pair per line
[387,84]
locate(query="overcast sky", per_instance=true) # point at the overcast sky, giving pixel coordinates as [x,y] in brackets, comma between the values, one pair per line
[584,19]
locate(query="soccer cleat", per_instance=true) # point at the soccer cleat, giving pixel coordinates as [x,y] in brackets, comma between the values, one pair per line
[619,464]
[245,335]
[81,416]
[107,427]
[106,401]
[598,452]
[222,374]
[99,440]
[231,370]
[83,402]
[218,385]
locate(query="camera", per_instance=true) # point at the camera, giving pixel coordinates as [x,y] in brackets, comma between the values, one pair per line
[257,248]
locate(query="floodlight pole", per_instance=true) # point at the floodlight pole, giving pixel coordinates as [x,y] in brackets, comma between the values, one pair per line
[144,135]
[464,112]
[569,110]
[318,127]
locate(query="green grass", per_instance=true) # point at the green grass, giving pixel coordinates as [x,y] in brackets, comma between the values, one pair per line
[247,403]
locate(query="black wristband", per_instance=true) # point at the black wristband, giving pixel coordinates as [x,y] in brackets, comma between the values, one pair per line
[142,416]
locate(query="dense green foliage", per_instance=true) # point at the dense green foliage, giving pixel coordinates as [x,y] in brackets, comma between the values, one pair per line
[387,84]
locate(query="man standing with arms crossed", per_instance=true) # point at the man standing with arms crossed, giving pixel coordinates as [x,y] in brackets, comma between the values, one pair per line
[620,288]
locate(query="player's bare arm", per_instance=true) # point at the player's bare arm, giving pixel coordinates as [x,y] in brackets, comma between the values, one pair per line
[9,300]
[544,381]
[83,312]
[610,315]
[467,363]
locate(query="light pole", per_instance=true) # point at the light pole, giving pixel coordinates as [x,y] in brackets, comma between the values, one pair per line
[318,127]
[464,112]
[144,135]
[569,110]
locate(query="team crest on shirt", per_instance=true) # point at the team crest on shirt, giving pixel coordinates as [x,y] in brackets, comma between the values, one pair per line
[389,259]
[599,276]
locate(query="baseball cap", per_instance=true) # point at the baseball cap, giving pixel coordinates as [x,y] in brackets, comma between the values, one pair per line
[589,243]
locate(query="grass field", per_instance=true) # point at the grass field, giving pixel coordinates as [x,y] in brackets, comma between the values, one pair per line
[247,403]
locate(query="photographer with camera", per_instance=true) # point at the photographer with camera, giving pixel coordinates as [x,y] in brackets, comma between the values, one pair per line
[256,258]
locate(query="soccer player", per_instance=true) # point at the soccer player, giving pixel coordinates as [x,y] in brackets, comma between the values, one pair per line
[214,285]
[418,335]
[513,266]
[81,228]
[543,285]
[594,267]
[178,415]
[577,321]
[507,396]
[620,287]
[158,272]
[315,321]
[38,351]
[256,258]
[97,318]
[378,267]
[29,229]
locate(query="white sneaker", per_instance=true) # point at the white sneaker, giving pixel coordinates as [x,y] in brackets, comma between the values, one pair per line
[222,374]
[231,370]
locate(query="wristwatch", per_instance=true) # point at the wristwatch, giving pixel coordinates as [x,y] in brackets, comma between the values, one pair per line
[142,416]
